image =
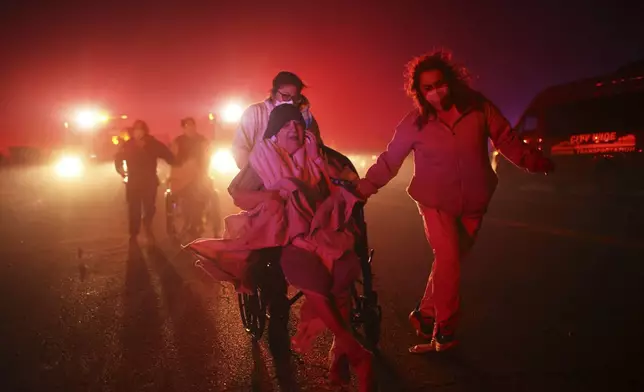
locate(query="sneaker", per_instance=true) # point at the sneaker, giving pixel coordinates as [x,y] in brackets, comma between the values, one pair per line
[439,343]
[423,348]
[423,325]
[444,342]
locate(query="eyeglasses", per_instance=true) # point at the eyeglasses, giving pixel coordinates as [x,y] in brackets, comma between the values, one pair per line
[287,96]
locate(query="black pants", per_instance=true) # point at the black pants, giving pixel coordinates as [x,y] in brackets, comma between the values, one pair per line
[141,201]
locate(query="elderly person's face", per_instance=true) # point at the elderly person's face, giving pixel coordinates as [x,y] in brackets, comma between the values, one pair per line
[291,136]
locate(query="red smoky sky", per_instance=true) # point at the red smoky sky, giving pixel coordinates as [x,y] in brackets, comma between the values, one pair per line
[161,61]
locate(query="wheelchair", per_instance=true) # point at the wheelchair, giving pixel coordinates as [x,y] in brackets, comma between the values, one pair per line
[178,225]
[366,314]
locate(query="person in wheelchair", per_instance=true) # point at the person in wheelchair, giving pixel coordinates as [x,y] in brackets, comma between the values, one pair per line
[189,179]
[289,202]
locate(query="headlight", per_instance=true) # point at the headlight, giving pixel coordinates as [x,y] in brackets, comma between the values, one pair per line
[222,161]
[232,113]
[88,119]
[70,166]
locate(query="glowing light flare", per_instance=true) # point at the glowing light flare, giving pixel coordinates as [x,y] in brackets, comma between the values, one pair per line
[232,113]
[88,119]
[115,140]
[70,166]
[223,162]
[359,161]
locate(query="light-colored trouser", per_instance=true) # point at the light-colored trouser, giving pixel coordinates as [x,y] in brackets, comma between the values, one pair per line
[451,238]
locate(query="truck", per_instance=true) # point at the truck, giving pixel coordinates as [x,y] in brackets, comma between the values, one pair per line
[95,136]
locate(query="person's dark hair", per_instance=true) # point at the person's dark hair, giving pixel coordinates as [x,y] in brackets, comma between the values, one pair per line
[185,121]
[283,78]
[302,101]
[141,124]
[456,76]
[280,116]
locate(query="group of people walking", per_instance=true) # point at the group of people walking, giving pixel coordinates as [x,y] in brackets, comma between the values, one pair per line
[289,202]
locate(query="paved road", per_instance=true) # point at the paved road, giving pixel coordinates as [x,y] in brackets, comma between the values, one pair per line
[552,298]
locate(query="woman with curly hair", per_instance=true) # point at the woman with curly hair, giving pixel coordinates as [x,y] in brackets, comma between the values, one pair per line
[453,180]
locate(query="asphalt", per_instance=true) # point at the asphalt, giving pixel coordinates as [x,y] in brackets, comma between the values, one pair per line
[552,297]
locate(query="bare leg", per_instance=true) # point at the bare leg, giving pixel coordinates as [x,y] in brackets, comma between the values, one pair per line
[359,357]
[339,371]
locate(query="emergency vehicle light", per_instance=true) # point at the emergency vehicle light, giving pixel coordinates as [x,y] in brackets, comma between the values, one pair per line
[232,113]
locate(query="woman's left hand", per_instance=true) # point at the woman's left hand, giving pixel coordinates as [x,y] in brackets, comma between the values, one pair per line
[311,145]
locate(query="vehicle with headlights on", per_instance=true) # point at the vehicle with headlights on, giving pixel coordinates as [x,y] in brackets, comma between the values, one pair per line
[95,134]
[91,136]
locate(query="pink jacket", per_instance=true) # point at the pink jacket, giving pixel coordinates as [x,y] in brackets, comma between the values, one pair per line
[452,170]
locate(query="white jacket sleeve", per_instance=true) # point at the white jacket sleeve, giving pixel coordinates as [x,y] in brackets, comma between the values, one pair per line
[244,138]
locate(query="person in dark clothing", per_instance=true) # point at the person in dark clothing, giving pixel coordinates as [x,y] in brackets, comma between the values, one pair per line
[191,145]
[189,178]
[140,154]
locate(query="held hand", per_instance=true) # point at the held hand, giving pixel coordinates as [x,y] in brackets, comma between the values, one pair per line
[366,188]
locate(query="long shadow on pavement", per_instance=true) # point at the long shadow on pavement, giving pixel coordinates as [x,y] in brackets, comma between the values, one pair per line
[387,376]
[193,332]
[261,377]
[141,339]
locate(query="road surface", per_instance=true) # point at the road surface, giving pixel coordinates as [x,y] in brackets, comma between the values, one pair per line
[553,298]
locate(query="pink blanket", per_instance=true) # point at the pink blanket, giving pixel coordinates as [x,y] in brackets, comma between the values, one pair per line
[315,215]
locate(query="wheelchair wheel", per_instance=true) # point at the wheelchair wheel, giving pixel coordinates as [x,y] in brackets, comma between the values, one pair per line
[366,314]
[177,225]
[253,314]
[170,208]
[372,316]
